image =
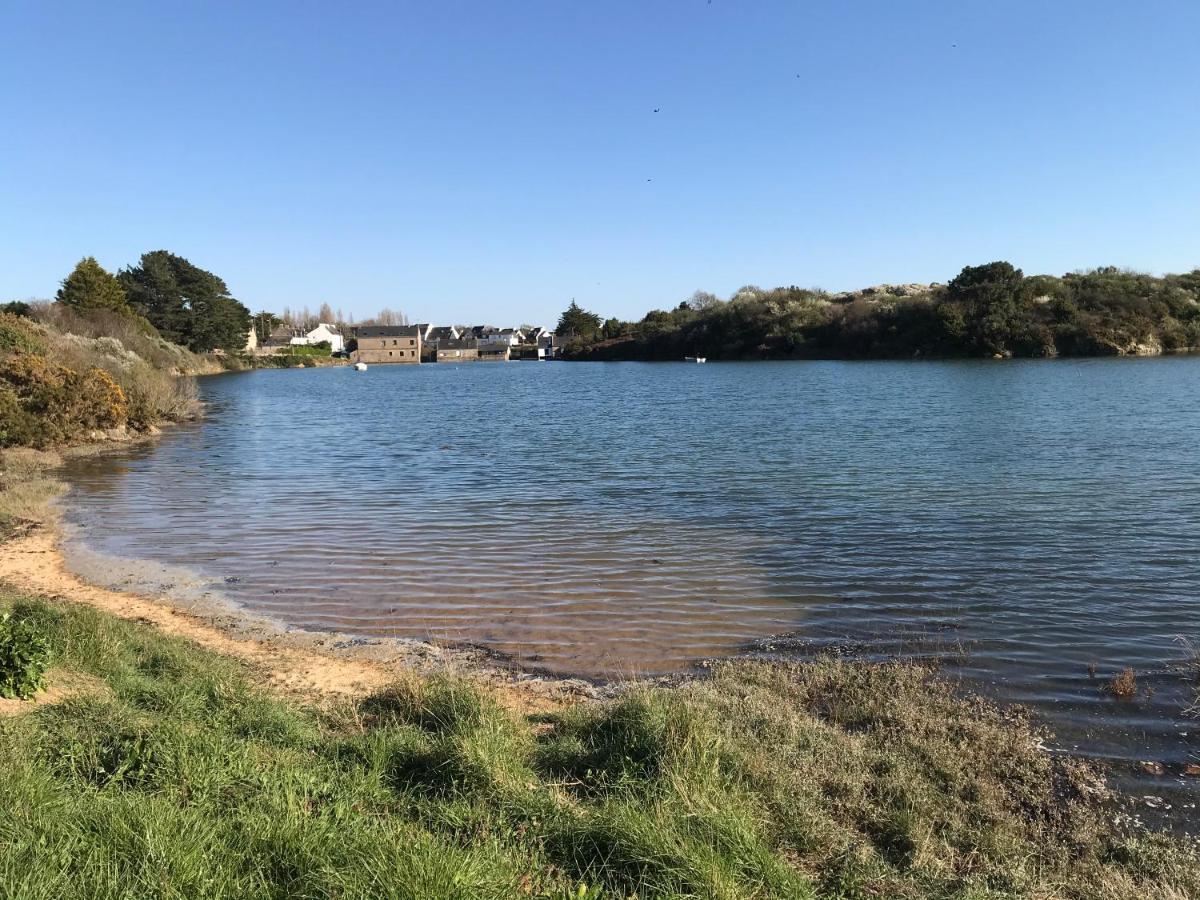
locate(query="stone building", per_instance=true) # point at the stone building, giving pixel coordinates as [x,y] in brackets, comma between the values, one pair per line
[465,350]
[388,344]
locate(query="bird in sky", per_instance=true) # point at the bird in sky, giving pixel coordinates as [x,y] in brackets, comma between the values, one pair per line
[658,109]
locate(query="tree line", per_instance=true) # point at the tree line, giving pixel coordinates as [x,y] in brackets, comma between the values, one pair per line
[190,306]
[988,310]
[187,305]
[304,320]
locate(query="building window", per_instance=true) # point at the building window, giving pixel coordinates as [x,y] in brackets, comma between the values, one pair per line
[411,342]
[389,353]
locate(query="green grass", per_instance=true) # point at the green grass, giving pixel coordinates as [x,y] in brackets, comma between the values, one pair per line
[175,776]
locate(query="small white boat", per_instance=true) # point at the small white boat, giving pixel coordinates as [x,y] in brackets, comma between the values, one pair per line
[360,367]
[695,359]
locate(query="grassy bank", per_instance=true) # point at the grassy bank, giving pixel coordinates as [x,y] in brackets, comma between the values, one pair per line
[163,770]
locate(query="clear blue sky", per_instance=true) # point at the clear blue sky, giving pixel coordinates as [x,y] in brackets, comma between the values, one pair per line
[490,161]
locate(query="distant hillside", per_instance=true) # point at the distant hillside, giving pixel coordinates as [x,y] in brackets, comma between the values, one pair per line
[989,310]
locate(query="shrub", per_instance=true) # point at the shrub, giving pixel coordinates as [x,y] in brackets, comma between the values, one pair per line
[24,657]
[155,396]
[42,403]
[16,308]
[133,332]
[19,334]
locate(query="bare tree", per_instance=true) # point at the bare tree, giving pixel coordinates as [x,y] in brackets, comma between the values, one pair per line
[326,313]
[391,317]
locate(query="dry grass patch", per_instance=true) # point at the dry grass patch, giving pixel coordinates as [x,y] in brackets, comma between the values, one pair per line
[27,488]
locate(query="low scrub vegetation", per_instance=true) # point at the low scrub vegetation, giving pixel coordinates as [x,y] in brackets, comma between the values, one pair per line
[43,404]
[67,373]
[176,776]
[988,310]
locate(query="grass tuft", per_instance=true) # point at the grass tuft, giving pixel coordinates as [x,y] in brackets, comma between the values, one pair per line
[1124,685]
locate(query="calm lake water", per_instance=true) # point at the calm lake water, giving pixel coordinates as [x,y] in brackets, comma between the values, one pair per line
[1023,520]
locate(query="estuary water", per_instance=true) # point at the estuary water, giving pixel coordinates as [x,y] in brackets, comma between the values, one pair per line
[1035,525]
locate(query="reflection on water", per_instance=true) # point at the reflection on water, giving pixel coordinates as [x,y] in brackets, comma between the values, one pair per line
[1030,519]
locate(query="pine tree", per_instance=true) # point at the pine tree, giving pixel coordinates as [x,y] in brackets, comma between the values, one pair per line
[577,322]
[186,304]
[89,286]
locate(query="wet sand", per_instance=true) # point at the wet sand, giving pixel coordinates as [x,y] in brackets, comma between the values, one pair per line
[310,666]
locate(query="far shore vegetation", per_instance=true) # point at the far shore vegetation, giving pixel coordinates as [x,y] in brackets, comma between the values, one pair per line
[992,310]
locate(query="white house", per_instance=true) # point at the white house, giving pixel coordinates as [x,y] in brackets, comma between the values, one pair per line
[514,337]
[323,332]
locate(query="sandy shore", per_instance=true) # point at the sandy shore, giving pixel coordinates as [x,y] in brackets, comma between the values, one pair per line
[314,667]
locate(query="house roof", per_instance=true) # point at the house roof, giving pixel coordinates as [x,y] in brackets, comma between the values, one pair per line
[281,334]
[460,344]
[389,331]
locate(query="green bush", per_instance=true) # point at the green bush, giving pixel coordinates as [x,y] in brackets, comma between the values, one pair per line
[24,657]
[43,404]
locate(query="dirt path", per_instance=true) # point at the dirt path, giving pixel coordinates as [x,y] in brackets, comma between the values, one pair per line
[293,664]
